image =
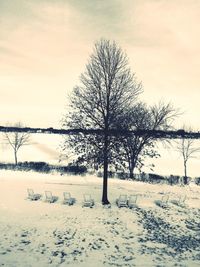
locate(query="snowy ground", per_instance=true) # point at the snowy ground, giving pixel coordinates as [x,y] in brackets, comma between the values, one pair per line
[36,233]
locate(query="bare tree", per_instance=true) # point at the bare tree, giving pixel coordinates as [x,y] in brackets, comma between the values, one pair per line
[131,150]
[107,90]
[16,140]
[187,148]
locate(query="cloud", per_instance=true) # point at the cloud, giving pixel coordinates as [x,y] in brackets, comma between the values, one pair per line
[102,16]
[42,44]
[45,44]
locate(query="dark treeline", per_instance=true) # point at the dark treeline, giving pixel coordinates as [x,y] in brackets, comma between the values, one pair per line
[44,167]
[74,169]
[155,133]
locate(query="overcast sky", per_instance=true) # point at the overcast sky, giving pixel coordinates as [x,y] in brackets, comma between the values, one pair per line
[45,44]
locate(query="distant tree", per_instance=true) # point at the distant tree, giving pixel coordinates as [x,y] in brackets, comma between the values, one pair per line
[16,140]
[187,148]
[107,90]
[131,150]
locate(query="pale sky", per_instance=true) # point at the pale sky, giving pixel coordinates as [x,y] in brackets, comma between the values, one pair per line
[45,44]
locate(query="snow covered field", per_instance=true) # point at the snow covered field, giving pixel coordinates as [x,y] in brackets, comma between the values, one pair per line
[36,233]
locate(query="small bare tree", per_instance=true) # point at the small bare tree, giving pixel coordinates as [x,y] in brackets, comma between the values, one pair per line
[16,140]
[131,150]
[187,148]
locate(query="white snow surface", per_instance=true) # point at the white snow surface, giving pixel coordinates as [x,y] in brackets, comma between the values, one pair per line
[37,233]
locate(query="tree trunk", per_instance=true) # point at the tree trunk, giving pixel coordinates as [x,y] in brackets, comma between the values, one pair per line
[105,171]
[131,170]
[15,152]
[185,173]
[131,173]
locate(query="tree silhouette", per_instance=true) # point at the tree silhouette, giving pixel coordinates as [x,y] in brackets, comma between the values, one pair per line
[17,140]
[131,149]
[107,90]
[187,148]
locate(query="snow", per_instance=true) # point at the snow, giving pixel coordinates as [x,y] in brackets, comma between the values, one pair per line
[36,233]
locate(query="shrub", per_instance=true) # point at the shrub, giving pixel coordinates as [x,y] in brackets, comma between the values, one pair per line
[144,177]
[197,180]
[122,175]
[35,166]
[99,174]
[174,179]
[76,169]
[155,178]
